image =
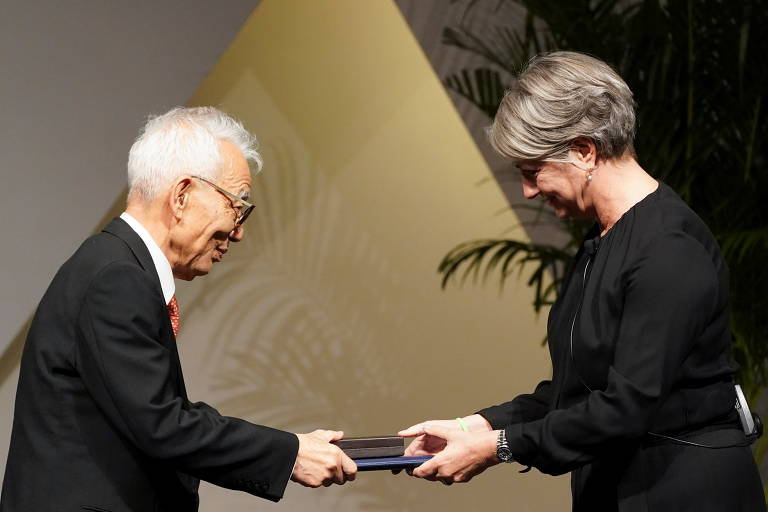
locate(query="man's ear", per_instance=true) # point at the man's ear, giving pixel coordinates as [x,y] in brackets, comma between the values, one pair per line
[179,197]
[583,149]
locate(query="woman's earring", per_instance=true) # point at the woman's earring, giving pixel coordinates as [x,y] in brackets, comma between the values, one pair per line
[589,175]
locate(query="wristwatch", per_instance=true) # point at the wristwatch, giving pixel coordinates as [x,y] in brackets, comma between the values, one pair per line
[503,452]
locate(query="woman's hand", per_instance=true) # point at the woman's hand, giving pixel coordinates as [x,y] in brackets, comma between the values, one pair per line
[426,444]
[458,455]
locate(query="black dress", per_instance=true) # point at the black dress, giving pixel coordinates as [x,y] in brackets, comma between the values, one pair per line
[640,349]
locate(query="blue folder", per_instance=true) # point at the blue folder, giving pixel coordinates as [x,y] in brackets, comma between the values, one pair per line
[379,463]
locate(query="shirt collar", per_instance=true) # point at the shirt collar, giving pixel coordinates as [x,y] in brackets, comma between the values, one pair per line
[162,266]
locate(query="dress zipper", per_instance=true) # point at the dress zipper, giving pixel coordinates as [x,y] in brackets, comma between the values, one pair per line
[578,311]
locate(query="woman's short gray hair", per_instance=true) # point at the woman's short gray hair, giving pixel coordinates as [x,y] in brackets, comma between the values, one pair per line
[184,141]
[558,97]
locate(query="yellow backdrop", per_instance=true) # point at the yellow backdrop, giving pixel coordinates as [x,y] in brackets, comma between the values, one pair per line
[330,313]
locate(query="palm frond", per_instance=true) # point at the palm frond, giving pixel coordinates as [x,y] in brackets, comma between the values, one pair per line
[478,259]
[482,87]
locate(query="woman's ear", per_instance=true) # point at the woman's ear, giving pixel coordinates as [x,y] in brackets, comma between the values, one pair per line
[584,151]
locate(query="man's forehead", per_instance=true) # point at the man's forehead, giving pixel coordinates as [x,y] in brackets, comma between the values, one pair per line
[237,172]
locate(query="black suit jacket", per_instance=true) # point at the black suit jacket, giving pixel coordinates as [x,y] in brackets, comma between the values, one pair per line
[102,419]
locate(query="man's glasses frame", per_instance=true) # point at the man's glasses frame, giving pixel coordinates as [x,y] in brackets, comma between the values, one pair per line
[242,213]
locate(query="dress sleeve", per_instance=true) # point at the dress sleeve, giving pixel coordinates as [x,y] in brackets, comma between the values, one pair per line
[129,372]
[671,291]
[523,408]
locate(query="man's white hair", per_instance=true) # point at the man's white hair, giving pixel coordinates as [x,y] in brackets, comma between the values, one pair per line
[184,141]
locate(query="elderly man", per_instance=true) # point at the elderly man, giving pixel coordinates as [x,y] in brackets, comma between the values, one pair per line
[102,418]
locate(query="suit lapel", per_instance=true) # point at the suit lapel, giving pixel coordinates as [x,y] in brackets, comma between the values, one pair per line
[119,228]
[123,231]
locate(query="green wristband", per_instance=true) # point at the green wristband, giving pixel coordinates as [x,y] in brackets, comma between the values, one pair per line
[462,425]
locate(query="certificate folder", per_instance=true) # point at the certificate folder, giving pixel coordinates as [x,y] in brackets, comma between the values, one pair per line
[380,463]
[370,447]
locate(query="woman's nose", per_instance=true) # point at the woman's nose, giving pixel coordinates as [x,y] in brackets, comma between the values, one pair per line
[530,190]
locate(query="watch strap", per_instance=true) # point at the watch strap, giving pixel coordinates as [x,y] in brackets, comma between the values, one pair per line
[503,453]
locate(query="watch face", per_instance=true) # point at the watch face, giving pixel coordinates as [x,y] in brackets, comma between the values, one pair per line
[504,454]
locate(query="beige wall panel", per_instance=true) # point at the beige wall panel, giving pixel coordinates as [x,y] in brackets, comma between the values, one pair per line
[7,401]
[330,314]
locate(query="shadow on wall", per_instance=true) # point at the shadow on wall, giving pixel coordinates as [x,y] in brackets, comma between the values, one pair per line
[11,357]
[290,332]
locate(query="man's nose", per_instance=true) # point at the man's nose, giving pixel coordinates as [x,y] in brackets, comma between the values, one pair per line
[530,190]
[236,234]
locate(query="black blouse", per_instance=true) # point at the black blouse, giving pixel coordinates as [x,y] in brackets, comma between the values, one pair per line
[639,342]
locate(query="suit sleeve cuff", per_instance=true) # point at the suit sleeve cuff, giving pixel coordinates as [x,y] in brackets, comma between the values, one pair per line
[496,416]
[284,475]
[518,445]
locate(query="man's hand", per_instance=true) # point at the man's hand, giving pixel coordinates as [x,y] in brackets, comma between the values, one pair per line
[321,463]
[458,455]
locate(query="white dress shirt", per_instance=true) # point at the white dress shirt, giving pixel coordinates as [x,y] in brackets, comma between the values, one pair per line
[162,266]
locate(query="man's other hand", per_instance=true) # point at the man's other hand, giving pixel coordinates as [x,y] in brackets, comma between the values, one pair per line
[321,463]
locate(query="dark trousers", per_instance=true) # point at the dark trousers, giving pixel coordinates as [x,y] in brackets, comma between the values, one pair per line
[672,477]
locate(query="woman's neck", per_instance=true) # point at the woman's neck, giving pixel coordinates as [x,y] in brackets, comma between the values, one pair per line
[616,186]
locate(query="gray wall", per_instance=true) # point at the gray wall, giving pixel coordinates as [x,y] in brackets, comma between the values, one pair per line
[77,79]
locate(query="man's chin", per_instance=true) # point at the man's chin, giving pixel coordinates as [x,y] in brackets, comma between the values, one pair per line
[202,271]
[190,274]
[189,277]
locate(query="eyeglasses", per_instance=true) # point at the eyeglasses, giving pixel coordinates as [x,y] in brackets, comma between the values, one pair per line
[242,207]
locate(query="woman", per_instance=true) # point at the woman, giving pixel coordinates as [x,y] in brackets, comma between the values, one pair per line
[640,408]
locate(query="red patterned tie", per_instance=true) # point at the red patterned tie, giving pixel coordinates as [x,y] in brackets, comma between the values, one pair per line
[173,313]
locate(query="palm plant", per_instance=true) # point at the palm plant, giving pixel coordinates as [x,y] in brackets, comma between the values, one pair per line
[699,83]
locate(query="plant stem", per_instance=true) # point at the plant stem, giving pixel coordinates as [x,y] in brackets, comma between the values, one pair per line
[751,142]
[689,117]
